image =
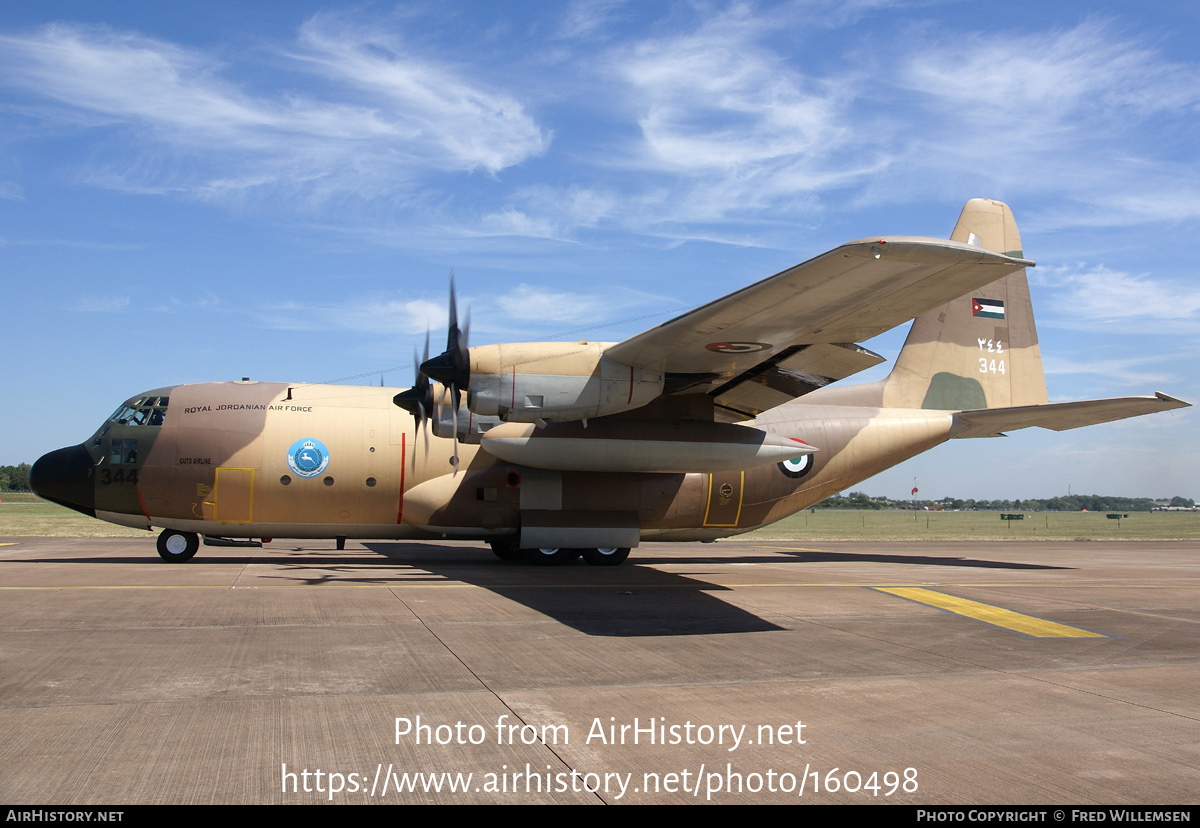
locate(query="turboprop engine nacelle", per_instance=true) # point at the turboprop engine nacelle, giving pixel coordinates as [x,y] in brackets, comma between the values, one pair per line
[555,382]
[462,425]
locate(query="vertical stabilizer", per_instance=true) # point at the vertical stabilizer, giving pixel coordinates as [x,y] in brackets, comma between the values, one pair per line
[980,350]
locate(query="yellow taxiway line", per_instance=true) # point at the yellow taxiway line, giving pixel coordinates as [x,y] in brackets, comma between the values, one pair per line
[996,616]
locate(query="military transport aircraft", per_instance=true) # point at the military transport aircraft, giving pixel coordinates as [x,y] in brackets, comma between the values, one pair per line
[714,423]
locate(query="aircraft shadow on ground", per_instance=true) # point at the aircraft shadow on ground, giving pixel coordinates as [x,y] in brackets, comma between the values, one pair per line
[631,600]
[815,556]
[612,601]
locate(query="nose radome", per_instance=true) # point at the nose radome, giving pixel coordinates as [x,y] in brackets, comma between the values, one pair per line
[65,477]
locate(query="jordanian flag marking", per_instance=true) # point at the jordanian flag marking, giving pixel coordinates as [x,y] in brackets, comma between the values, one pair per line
[987,308]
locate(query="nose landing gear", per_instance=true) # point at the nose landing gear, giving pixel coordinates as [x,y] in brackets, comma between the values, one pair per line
[177,547]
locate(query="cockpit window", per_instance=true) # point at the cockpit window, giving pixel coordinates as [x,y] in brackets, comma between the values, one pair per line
[122,451]
[100,435]
[144,411]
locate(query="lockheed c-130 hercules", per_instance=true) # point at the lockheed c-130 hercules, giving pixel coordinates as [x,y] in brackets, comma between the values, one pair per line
[714,423]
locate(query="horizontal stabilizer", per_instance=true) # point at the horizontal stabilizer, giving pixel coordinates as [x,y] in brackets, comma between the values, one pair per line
[992,422]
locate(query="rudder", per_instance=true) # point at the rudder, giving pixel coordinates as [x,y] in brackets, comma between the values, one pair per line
[980,350]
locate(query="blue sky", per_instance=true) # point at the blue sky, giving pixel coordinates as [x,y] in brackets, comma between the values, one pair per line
[195,192]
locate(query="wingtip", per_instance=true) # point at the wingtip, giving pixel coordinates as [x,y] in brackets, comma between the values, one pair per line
[1167,398]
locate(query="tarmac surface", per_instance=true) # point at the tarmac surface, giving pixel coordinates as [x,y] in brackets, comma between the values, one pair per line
[736,672]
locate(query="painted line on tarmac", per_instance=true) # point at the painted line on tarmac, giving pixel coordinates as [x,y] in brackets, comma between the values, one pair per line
[721,584]
[988,614]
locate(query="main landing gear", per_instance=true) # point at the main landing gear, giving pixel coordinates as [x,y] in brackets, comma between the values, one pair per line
[177,547]
[606,556]
[507,550]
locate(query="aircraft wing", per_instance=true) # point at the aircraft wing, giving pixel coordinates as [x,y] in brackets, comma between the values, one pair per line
[993,422]
[794,332]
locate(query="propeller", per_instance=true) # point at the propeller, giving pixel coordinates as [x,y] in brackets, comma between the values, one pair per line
[452,367]
[419,400]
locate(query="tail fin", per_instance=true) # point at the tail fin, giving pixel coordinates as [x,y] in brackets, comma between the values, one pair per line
[980,350]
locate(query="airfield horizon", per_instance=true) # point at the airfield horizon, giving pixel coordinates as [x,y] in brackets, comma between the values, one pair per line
[26,515]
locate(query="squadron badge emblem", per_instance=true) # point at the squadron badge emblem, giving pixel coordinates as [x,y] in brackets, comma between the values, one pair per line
[308,457]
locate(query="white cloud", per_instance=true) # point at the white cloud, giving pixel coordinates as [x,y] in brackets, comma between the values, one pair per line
[374,315]
[129,77]
[513,222]
[727,130]
[1132,371]
[589,18]
[530,302]
[549,213]
[1145,193]
[728,124]
[100,304]
[717,99]
[1098,294]
[1088,113]
[430,104]
[393,116]
[508,314]
[541,304]
[1049,80]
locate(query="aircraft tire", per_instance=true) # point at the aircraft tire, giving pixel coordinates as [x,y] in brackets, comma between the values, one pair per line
[609,556]
[549,557]
[506,550]
[177,547]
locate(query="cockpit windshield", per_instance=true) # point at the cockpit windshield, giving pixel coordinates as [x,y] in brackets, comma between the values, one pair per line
[141,411]
[146,410]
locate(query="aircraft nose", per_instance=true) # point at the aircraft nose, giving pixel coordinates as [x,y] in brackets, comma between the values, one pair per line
[65,477]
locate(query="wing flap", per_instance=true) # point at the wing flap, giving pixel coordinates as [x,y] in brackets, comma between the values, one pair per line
[992,422]
[795,372]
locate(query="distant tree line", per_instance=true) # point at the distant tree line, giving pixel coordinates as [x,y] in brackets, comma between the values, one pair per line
[14,478]
[1065,503]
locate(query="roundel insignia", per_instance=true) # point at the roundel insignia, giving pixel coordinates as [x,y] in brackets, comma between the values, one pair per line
[308,457]
[797,467]
[737,347]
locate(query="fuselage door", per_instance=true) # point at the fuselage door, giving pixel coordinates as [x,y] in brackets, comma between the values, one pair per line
[724,499]
[233,495]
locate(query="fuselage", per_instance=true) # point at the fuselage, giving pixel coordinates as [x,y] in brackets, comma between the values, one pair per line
[261,459]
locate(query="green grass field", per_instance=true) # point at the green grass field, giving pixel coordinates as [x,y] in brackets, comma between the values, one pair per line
[26,515]
[887,524]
